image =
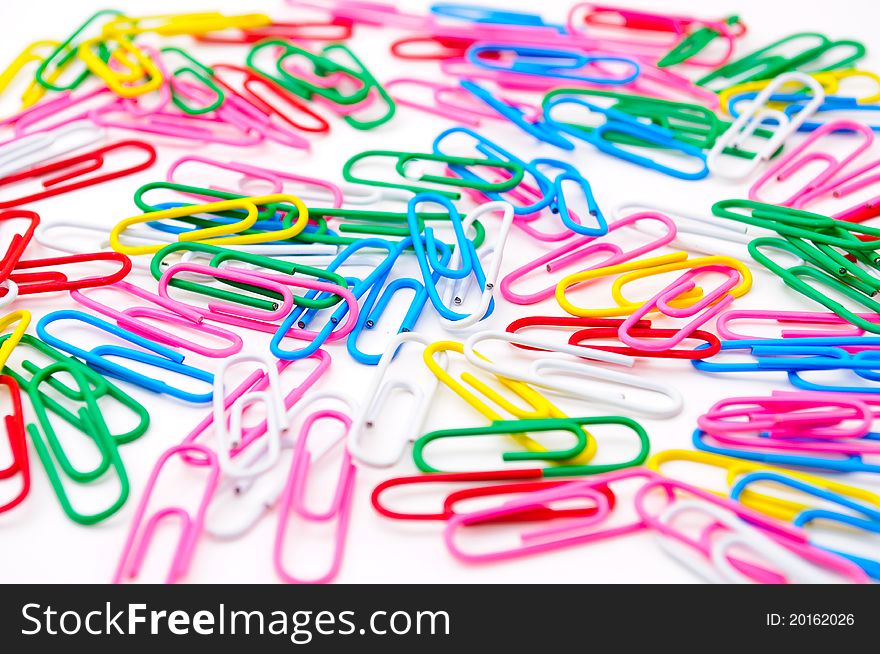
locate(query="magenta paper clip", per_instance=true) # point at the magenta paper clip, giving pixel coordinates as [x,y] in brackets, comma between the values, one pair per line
[576,250]
[259,381]
[294,503]
[208,129]
[569,534]
[733,525]
[708,306]
[250,174]
[808,153]
[836,326]
[794,415]
[140,535]
[172,314]
[226,312]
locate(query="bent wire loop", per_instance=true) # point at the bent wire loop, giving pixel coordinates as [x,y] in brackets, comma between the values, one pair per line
[19,465]
[151,354]
[141,533]
[293,501]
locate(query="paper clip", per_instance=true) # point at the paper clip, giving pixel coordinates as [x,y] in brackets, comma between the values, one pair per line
[619,125]
[100,357]
[294,502]
[554,63]
[798,559]
[867,518]
[578,249]
[380,390]
[141,534]
[50,450]
[792,162]
[539,373]
[405,160]
[74,168]
[231,437]
[33,149]
[456,290]
[46,276]
[23,319]
[498,483]
[755,116]
[548,539]
[693,231]
[561,457]
[773,60]
[15,436]
[19,241]
[169,312]
[831,324]
[710,304]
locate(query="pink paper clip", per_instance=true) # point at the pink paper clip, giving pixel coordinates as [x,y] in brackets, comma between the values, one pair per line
[251,174]
[453,102]
[259,381]
[541,540]
[578,249]
[794,415]
[800,157]
[377,14]
[51,114]
[707,544]
[259,319]
[722,323]
[140,535]
[293,498]
[701,311]
[171,313]
[208,129]
[845,185]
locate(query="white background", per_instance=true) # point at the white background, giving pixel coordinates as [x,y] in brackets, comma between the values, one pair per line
[37,542]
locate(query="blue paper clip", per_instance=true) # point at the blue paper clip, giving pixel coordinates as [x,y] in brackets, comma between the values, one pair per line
[560,204]
[833,103]
[380,296]
[491,150]
[770,354]
[99,357]
[480,14]
[540,130]
[619,122]
[432,265]
[558,63]
[849,463]
[302,316]
[871,522]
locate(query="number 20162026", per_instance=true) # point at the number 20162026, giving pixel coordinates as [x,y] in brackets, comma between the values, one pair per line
[810,619]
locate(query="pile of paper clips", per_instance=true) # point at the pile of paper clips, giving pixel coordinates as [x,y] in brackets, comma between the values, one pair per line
[310,265]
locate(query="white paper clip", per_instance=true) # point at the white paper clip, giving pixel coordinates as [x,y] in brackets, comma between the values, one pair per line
[756,115]
[39,147]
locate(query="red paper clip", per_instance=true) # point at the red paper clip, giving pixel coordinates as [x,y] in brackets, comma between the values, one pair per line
[593,328]
[74,167]
[19,242]
[17,444]
[441,47]
[53,280]
[517,487]
[249,94]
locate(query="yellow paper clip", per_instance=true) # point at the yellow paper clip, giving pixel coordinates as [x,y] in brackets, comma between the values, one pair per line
[177,24]
[138,74]
[538,405]
[579,279]
[227,234]
[8,344]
